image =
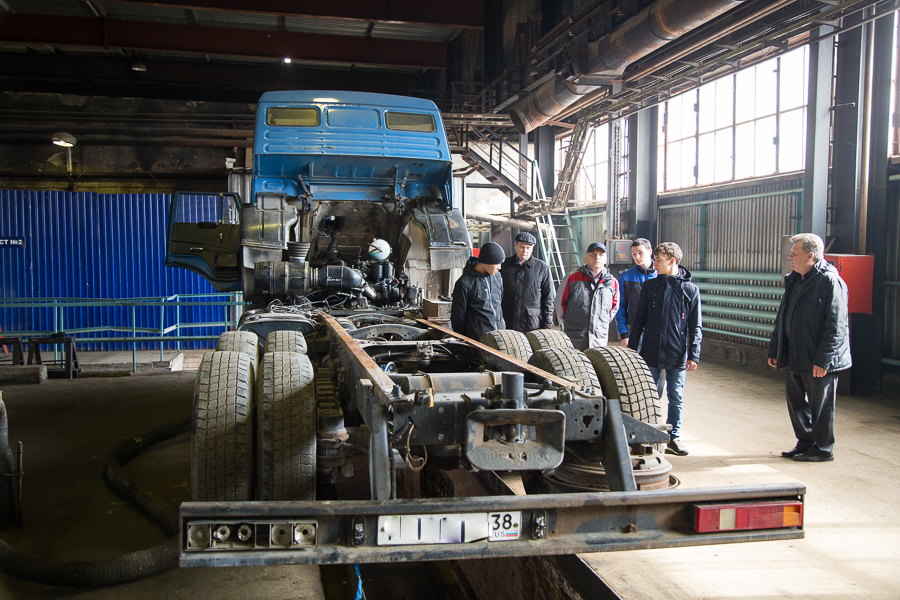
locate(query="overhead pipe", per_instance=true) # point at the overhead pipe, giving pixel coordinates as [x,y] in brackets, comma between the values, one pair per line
[505,221]
[608,57]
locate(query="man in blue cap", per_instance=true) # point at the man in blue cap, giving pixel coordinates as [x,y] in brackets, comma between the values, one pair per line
[527,288]
[587,300]
[478,293]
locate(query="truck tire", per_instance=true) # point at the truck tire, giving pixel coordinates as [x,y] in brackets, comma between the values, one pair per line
[544,339]
[286,428]
[240,341]
[222,429]
[286,341]
[568,363]
[508,341]
[624,375]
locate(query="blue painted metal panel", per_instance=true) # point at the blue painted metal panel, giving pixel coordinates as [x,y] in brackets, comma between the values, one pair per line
[88,245]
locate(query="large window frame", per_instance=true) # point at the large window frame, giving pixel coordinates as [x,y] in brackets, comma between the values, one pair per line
[745,125]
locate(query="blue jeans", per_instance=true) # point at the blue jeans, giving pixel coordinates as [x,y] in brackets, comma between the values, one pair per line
[674,383]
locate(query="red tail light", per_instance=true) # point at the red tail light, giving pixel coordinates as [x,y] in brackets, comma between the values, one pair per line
[738,517]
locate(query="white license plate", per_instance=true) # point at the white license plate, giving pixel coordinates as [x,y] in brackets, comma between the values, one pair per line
[448,529]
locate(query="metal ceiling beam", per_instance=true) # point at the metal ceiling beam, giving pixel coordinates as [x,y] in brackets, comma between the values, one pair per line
[193,39]
[459,14]
[195,74]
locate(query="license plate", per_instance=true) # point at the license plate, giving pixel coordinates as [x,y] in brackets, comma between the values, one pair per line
[448,529]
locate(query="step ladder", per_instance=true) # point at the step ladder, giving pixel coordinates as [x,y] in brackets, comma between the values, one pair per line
[558,245]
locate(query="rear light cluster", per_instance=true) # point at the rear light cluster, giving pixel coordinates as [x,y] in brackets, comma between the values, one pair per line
[746,517]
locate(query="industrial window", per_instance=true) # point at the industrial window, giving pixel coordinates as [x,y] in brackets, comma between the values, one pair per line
[292,117]
[420,122]
[592,180]
[749,124]
[894,137]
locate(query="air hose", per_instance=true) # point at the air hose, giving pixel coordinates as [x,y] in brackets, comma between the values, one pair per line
[129,567]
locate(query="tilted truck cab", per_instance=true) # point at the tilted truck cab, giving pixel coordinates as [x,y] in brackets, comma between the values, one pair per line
[348,229]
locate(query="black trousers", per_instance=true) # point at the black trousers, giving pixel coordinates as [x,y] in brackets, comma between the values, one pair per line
[811,403]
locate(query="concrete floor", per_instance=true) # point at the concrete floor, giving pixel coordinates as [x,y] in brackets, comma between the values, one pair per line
[736,425]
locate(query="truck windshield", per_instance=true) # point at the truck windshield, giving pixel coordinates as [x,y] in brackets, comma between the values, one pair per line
[293,117]
[399,121]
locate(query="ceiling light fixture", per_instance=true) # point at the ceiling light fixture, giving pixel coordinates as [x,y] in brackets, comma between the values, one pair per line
[287,60]
[138,66]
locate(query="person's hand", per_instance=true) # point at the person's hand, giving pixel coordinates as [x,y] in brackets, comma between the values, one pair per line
[690,366]
[819,371]
[624,342]
[773,363]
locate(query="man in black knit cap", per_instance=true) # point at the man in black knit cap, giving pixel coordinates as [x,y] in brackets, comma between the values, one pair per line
[478,293]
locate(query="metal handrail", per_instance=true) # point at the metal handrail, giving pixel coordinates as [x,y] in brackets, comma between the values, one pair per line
[58,306]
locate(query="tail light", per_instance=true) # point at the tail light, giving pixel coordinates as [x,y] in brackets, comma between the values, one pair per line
[743,517]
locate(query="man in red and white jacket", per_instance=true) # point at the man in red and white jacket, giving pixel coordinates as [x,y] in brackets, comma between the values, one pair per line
[587,300]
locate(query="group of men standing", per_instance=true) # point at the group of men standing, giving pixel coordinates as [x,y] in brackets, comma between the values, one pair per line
[657,311]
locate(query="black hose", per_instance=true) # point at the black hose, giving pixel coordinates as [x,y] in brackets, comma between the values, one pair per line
[123,568]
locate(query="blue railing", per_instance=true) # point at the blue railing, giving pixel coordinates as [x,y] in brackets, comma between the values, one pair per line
[79,322]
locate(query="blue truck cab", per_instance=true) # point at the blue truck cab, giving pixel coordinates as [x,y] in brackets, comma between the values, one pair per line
[350,195]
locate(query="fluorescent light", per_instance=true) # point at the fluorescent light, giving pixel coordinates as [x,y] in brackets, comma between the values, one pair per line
[287,61]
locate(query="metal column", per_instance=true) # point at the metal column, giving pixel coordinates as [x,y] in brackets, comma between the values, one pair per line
[876,221]
[643,128]
[849,95]
[818,122]
[545,154]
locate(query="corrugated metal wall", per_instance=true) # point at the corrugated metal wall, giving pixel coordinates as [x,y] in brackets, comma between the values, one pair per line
[892,299]
[88,245]
[734,236]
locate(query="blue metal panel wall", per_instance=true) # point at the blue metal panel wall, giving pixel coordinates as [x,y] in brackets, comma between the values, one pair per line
[88,245]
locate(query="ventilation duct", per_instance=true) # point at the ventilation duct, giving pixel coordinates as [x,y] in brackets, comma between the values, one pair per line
[607,57]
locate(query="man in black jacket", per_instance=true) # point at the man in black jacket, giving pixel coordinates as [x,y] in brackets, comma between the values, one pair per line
[527,288]
[668,316]
[811,338]
[477,294]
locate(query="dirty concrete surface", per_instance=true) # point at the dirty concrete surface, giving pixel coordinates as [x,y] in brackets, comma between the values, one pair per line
[736,426]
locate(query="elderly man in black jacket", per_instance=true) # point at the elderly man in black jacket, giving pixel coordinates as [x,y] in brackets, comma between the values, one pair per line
[527,288]
[476,296]
[811,338]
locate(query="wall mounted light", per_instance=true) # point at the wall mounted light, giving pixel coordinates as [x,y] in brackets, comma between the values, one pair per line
[138,66]
[66,140]
[287,60]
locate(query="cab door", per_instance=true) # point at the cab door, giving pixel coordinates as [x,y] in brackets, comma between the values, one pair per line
[204,236]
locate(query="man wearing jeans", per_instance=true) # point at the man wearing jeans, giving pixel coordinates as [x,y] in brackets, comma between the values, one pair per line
[668,317]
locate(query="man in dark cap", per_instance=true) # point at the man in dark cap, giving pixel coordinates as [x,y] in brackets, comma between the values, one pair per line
[527,288]
[478,293]
[587,300]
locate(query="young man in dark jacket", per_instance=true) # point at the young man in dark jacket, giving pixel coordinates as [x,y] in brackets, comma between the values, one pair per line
[527,288]
[477,294]
[668,316]
[811,338]
[587,301]
[630,283]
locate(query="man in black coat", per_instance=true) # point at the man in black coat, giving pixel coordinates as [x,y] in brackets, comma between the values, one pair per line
[811,338]
[527,288]
[477,294]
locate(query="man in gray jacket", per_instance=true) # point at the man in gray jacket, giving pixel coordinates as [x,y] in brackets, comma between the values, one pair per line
[477,294]
[811,339]
[587,301]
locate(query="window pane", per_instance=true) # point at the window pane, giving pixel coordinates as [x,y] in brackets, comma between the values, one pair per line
[725,102]
[673,125]
[707,115]
[660,168]
[743,97]
[688,114]
[724,151]
[765,147]
[792,141]
[766,88]
[793,79]
[688,162]
[706,159]
[292,117]
[743,151]
[673,166]
[410,122]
